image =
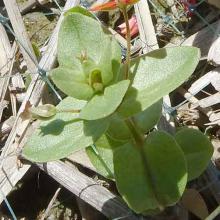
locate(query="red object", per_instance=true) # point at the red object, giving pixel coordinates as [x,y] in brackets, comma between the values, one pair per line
[132,25]
[189,6]
[112,4]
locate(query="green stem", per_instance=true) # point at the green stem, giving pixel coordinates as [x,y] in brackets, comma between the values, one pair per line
[128,38]
[139,142]
[137,134]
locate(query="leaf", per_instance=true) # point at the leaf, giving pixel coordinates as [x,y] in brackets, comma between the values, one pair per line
[104,64]
[71,83]
[152,176]
[78,9]
[156,74]
[193,201]
[81,34]
[197,149]
[118,129]
[101,155]
[36,49]
[101,106]
[63,134]
[147,119]
[43,111]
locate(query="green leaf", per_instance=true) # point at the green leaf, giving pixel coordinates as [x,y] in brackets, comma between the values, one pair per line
[71,83]
[147,119]
[43,111]
[197,148]
[156,74]
[80,34]
[63,134]
[36,50]
[101,106]
[78,9]
[150,176]
[118,129]
[101,155]
[105,63]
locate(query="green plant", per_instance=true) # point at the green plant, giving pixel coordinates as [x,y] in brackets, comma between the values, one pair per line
[111,110]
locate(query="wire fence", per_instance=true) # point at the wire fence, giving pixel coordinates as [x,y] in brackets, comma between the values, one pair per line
[171,20]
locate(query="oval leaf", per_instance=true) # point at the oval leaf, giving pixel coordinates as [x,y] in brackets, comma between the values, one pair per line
[118,129]
[63,134]
[197,148]
[43,111]
[146,177]
[147,119]
[157,74]
[80,34]
[101,155]
[81,10]
[71,83]
[101,106]
[193,201]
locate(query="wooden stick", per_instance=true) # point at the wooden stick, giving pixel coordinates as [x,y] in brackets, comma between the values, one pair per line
[6,126]
[145,26]
[88,190]
[27,6]
[20,31]
[202,39]
[9,172]
[50,205]
[6,64]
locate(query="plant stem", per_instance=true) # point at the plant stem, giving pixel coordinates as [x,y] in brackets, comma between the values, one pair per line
[128,38]
[137,134]
[139,142]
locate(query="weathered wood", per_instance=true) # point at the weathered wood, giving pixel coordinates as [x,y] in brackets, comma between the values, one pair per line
[6,126]
[50,205]
[21,34]
[6,63]
[27,6]
[43,2]
[9,173]
[211,17]
[216,3]
[203,39]
[210,100]
[212,77]
[214,53]
[145,26]
[88,190]
[17,87]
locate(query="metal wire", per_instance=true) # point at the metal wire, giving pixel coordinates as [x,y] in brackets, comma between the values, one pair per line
[42,73]
[8,205]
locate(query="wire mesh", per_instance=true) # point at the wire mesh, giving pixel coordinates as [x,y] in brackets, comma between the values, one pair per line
[177,24]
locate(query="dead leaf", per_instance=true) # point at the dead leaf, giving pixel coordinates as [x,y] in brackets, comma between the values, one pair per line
[26,113]
[193,201]
[216,3]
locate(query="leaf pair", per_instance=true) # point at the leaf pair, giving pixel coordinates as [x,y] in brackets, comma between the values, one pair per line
[63,134]
[155,173]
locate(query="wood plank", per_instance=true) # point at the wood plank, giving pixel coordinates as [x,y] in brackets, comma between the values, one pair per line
[21,34]
[6,63]
[145,26]
[88,190]
[9,173]
[203,39]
